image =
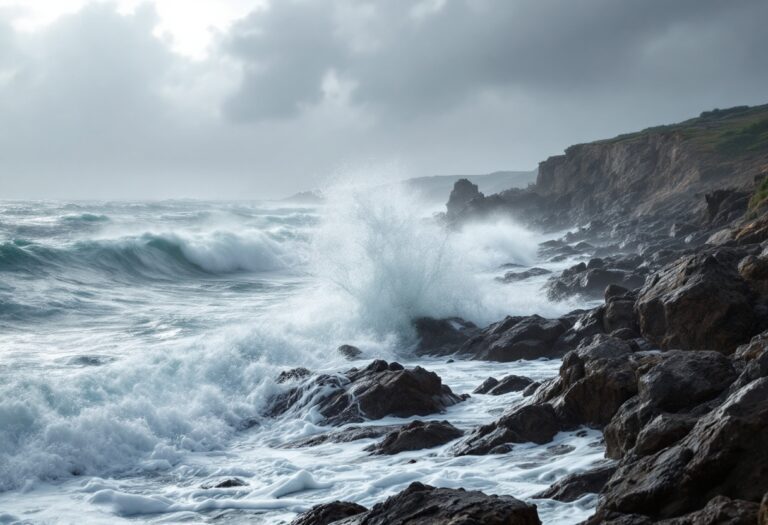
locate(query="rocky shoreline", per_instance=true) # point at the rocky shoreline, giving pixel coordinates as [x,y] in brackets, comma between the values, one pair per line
[672,367]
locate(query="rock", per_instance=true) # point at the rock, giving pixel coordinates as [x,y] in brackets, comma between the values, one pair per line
[516,338]
[763,516]
[681,229]
[726,452]
[719,511]
[344,435]
[752,232]
[512,277]
[510,383]
[528,423]
[462,194]
[416,436]
[327,513]
[725,205]
[614,290]
[531,389]
[680,381]
[574,486]
[381,389]
[698,302]
[349,351]
[754,270]
[587,282]
[583,328]
[226,484]
[620,314]
[425,505]
[294,374]
[442,336]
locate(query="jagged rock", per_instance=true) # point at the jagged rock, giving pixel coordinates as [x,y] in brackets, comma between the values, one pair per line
[583,327]
[327,513]
[726,452]
[424,505]
[591,282]
[462,194]
[754,270]
[378,390]
[516,338]
[344,435]
[510,383]
[752,232]
[294,374]
[416,435]
[349,351]
[528,423]
[698,302]
[513,277]
[679,381]
[531,389]
[725,205]
[620,314]
[719,511]
[442,336]
[574,486]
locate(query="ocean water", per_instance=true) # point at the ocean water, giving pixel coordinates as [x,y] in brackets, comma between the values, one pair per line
[140,341]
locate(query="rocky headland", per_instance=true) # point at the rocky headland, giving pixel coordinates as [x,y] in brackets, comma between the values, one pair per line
[670,230]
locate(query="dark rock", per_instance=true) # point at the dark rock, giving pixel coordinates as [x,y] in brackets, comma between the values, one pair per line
[381,389]
[512,277]
[327,513]
[614,290]
[726,452]
[510,383]
[574,486]
[681,229]
[754,270]
[349,351]
[725,205]
[620,314]
[531,389]
[528,423]
[416,435]
[294,374]
[344,435]
[583,328]
[763,516]
[424,505]
[516,338]
[442,336]
[226,484]
[591,282]
[462,194]
[698,302]
[679,381]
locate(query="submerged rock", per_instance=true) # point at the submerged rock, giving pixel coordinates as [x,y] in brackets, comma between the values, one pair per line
[226,484]
[416,435]
[327,513]
[381,389]
[344,435]
[425,505]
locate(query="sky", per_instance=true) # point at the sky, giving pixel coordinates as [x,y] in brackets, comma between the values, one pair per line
[252,99]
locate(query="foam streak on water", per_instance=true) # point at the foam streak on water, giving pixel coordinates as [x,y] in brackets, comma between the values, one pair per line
[139,342]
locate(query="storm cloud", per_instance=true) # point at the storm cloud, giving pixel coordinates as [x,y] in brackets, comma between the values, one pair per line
[95,105]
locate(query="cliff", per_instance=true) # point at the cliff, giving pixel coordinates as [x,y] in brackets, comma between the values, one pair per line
[664,171]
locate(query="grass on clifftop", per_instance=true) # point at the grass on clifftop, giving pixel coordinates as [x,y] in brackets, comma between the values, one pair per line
[760,196]
[737,131]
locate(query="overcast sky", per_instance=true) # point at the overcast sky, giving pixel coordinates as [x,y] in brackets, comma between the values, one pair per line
[255,99]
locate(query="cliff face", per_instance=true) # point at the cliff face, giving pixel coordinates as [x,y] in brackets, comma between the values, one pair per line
[664,172]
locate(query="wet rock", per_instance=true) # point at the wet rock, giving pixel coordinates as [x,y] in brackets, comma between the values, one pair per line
[381,389]
[425,505]
[226,484]
[349,351]
[344,435]
[416,435]
[531,389]
[510,383]
[327,513]
[754,270]
[620,314]
[513,277]
[516,338]
[698,302]
[583,328]
[442,336]
[681,229]
[294,374]
[574,486]
[528,423]
[580,280]
[726,452]
[679,381]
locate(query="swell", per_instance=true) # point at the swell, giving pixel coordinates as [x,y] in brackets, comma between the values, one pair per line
[149,255]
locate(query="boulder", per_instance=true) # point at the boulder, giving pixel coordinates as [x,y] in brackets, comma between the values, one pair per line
[580,280]
[510,383]
[725,453]
[516,338]
[513,277]
[349,351]
[442,336]
[327,513]
[422,504]
[574,486]
[697,302]
[381,389]
[416,435]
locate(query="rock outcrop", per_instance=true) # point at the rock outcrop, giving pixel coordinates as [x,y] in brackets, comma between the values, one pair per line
[327,513]
[416,435]
[378,390]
